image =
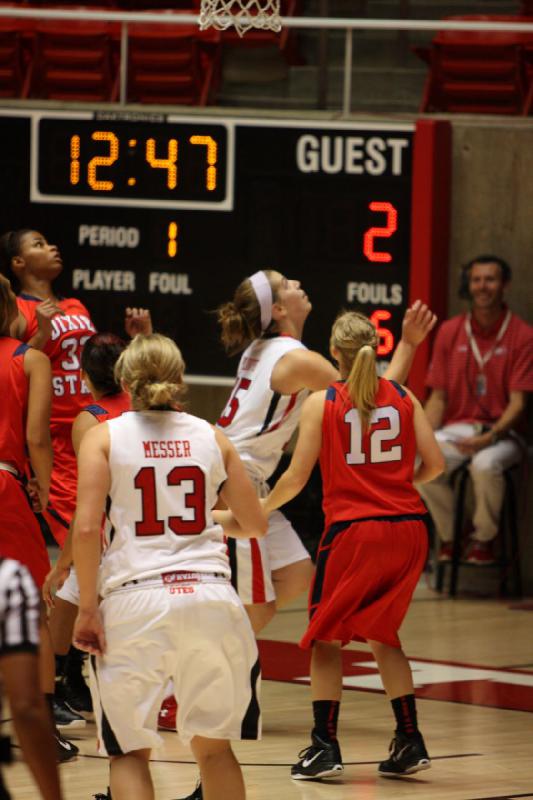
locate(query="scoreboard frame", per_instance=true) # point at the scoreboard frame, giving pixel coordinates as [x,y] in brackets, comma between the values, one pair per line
[272,181]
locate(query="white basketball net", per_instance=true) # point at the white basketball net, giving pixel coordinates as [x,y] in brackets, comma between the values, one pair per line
[242,14]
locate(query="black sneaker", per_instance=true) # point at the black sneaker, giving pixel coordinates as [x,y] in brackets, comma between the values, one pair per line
[320,760]
[64,717]
[196,795]
[77,697]
[100,796]
[407,754]
[66,751]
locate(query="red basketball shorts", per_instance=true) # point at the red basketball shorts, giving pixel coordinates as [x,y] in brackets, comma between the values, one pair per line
[20,535]
[366,574]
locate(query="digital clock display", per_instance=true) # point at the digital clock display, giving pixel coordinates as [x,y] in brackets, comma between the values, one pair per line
[172,212]
[173,165]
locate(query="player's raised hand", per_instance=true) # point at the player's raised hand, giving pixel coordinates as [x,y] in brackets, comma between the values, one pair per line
[138,320]
[418,321]
[44,313]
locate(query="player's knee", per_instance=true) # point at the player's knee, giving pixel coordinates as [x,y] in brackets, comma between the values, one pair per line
[27,709]
[380,649]
[208,751]
[291,581]
[260,615]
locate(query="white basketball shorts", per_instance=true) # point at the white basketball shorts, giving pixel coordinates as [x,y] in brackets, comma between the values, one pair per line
[70,591]
[253,560]
[196,634]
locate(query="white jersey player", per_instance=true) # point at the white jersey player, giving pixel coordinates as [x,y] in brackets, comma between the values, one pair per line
[168,609]
[266,319]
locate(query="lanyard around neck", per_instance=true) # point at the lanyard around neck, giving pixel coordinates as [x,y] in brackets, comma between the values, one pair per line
[482,360]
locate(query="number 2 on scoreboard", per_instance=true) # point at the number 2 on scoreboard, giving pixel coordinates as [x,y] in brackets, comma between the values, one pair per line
[383,232]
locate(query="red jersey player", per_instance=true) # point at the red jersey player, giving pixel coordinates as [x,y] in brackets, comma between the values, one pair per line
[25,385]
[366,431]
[109,401]
[59,327]
[25,388]
[98,360]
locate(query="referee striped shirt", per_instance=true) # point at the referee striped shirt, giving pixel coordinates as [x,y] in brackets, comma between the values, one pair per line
[19,608]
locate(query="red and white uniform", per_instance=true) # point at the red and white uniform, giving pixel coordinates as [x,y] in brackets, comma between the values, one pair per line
[20,535]
[169,609]
[108,407]
[375,539]
[260,422]
[70,331]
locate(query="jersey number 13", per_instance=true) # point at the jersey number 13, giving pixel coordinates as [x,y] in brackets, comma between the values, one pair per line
[190,482]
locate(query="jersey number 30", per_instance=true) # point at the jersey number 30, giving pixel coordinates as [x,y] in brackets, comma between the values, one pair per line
[191,485]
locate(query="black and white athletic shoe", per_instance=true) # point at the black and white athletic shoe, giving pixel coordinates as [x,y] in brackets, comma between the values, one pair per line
[196,795]
[321,760]
[100,796]
[407,754]
[77,697]
[65,750]
[65,717]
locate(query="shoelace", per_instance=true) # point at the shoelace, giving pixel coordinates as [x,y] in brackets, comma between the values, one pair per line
[312,749]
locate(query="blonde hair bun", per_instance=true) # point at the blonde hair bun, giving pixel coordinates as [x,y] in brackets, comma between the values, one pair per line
[152,368]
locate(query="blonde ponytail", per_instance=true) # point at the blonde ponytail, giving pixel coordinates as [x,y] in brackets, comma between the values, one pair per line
[356,340]
[362,384]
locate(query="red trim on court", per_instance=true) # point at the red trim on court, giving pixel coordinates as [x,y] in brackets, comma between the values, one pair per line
[451,681]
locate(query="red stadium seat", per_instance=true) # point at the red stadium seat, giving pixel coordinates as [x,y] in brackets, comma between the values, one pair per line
[88,4]
[13,68]
[478,71]
[145,5]
[73,61]
[172,64]
[15,54]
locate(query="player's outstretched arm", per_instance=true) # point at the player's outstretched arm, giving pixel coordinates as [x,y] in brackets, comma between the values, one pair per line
[245,518]
[37,369]
[94,479]
[305,454]
[302,369]
[432,463]
[418,321]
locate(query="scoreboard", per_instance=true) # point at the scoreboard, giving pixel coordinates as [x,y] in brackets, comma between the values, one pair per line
[171,212]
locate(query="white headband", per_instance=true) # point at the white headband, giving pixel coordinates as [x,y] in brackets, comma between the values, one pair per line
[263,292]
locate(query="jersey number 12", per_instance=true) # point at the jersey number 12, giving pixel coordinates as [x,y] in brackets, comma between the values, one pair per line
[379,437]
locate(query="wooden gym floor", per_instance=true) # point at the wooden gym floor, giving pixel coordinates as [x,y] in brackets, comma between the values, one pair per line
[473,666]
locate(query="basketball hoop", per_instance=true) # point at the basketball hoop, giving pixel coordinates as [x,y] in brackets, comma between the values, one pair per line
[243,15]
